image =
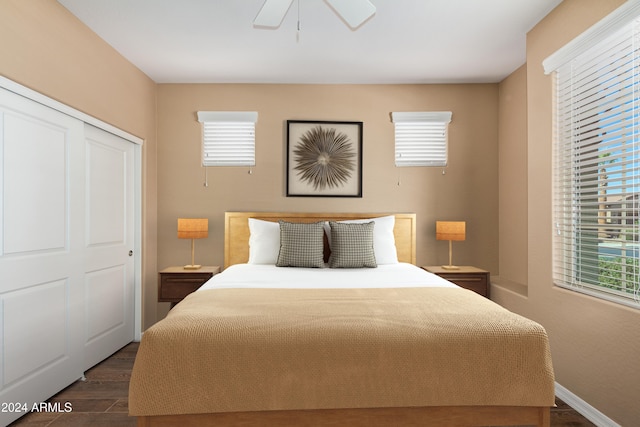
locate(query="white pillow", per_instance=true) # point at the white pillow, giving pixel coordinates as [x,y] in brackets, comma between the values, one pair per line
[264,241]
[384,242]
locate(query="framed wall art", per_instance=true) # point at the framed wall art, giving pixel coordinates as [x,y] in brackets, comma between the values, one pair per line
[324,159]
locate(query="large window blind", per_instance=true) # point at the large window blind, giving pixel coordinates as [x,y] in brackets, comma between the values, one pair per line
[228,138]
[597,164]
[421,138]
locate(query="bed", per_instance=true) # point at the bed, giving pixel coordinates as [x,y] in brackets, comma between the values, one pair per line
[338,344]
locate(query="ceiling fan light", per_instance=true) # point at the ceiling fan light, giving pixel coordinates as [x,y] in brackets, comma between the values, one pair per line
[272,13]
[353,12]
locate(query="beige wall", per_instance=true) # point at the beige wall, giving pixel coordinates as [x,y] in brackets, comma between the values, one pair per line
[512,162]
[468,190]
[595,344]
[44,47]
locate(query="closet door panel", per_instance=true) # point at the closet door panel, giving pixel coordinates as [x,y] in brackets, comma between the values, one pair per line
[35,194]
[109,269]
[105,292]
[41,275]
[41,311]
[106,189]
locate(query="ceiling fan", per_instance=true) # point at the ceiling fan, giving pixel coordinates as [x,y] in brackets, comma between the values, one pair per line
[353,12]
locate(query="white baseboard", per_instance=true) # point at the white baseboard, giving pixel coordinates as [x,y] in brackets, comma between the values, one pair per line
[586,410]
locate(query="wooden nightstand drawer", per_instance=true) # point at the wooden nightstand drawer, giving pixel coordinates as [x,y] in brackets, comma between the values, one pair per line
[477,283]
[174,288]
[175,283]
[471,278]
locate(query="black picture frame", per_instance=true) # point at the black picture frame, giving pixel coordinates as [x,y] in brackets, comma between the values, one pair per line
[324,158]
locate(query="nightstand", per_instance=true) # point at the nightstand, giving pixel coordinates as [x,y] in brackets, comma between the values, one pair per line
[175,283]
[466,277]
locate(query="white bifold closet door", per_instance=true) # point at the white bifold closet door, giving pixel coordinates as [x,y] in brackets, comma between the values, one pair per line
[66,229]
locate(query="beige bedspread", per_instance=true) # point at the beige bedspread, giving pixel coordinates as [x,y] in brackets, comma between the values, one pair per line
[271,349]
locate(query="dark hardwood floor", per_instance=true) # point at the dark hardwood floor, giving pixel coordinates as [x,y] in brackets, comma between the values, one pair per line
[101,400]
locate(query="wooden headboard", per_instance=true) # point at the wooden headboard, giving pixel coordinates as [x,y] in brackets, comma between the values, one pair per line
[236,231]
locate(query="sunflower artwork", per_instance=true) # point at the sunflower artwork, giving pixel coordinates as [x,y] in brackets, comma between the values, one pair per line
[324,159]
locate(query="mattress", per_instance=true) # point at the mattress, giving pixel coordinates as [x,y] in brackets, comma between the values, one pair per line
[269,276]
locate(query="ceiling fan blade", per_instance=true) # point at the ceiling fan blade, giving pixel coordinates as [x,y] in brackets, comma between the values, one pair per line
[272,13]
[354,12]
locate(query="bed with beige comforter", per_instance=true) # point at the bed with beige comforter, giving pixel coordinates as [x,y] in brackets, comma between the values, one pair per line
[235,350]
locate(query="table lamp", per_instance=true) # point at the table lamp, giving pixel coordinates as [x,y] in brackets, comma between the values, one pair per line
[193,228]
[450,230]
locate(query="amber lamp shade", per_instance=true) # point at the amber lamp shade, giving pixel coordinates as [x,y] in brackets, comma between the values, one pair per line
[450,230]
[193,228]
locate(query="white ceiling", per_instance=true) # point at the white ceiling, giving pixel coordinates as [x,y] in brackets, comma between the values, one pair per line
[406,41]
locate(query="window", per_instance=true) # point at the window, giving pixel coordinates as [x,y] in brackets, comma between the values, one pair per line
[228,138]
[421,138]
[597,160]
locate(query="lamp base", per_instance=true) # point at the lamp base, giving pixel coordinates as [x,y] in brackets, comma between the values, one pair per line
[451,267]
[192,267]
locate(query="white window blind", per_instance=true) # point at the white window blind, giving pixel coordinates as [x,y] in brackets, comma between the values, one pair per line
[597,166]
[421,138]
[228,138]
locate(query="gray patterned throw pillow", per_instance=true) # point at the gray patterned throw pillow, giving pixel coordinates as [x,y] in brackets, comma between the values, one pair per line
[301,245]
[352,245]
